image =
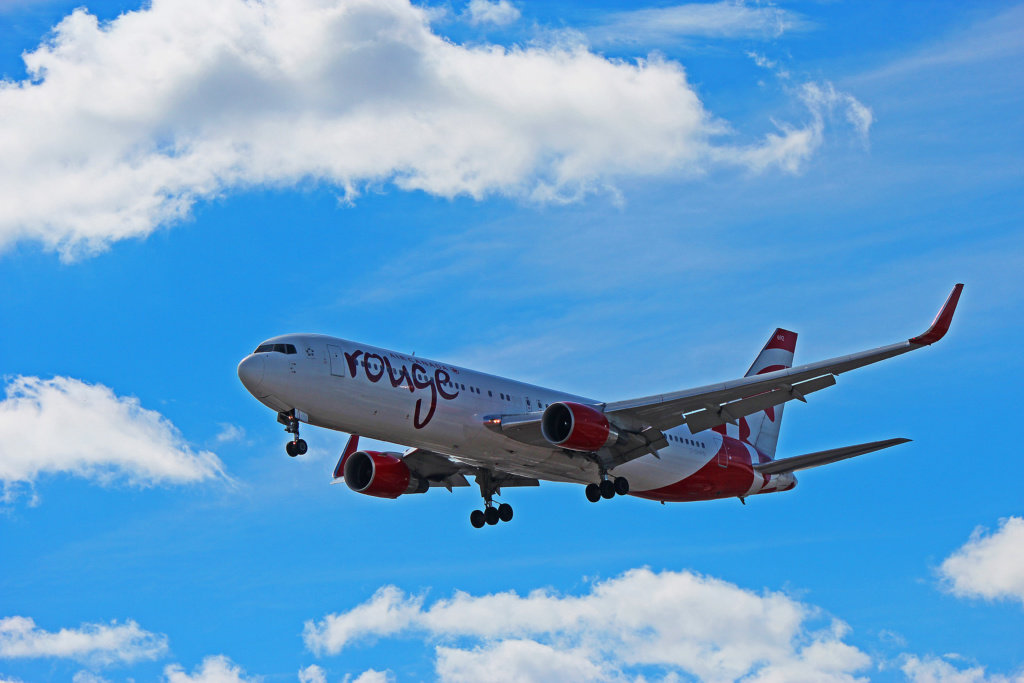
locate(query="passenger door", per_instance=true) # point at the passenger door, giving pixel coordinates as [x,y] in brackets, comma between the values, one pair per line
[337,360]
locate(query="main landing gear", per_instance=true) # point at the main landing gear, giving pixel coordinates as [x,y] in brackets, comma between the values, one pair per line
[296,446]
[607,489]
[490,515]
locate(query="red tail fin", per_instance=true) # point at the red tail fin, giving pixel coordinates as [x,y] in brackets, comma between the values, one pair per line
[762,429]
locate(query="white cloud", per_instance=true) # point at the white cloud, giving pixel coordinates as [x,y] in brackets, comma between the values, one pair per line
[679,621]
[501,12]
[791,146]
[66,425]
[230,432]
[218,669]
[824,99]
[936,670]
[88,677]
[518,660]
[716,20]
[373,676]
[124,125]
[989,566]
[96,643]
[312,674]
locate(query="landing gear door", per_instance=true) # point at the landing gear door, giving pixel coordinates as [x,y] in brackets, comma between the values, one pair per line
[337,361]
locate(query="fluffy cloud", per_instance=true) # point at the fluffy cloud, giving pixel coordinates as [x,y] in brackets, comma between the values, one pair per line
[936,670]
[372,676]
[218,669]
[96,643]
[123,126]
[66,425]
[709,19]
[312,674]
[501,12]
[989,566]
[677,621]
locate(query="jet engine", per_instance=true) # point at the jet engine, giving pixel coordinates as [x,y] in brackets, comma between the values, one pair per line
[384,475]
[577,427]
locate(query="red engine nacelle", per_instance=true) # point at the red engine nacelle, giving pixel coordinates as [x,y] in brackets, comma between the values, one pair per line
[577,427]
[384,475]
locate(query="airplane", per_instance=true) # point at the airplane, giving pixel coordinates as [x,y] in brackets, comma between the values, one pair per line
[710,442]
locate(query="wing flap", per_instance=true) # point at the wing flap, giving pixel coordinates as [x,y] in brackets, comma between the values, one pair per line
[714,415]
[803,462]
[436,468]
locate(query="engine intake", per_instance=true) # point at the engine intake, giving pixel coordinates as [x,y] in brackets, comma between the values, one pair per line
[577,427]
[384,475]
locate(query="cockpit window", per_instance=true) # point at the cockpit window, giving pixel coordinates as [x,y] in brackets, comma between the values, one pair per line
[275,348]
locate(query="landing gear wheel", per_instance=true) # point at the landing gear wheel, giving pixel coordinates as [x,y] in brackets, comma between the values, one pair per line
[476,518]
[290,449]
[621,486]
[593,493]
[505,512]
[491,516]
[300,446]
[607,489]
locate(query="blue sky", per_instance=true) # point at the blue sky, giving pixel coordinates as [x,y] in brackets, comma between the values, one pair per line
[177,187]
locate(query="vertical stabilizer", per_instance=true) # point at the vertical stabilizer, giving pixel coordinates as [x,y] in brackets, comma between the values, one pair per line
[763,428]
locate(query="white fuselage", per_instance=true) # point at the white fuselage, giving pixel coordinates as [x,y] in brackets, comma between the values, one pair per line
[399,398]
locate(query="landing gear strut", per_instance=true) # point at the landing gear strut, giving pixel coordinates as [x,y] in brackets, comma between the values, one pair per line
[607,489]
[490,515]
[296,446]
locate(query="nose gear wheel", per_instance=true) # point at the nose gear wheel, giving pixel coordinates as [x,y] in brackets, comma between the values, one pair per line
[296,446]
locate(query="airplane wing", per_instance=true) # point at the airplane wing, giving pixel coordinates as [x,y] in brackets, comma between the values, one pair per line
[439,469]
[803,462]
[435,468]
[716,404]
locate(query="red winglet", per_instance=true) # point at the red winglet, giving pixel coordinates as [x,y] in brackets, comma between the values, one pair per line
[351,447]
[941,323]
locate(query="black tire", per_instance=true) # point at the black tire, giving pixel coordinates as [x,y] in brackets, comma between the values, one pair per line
[290,448]
[476,518]
[505,512]
[621,486]
[491,516]
[593,493]
[607,489]
[301,447]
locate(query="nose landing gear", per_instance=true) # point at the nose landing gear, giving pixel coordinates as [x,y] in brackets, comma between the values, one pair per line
[296,446]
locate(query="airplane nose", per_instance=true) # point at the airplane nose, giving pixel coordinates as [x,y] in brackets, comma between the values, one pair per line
[250,371]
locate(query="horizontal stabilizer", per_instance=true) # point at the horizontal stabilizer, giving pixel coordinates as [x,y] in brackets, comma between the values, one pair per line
[803,462]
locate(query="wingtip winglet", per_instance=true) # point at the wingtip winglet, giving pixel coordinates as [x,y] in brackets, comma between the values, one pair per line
[941,323]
